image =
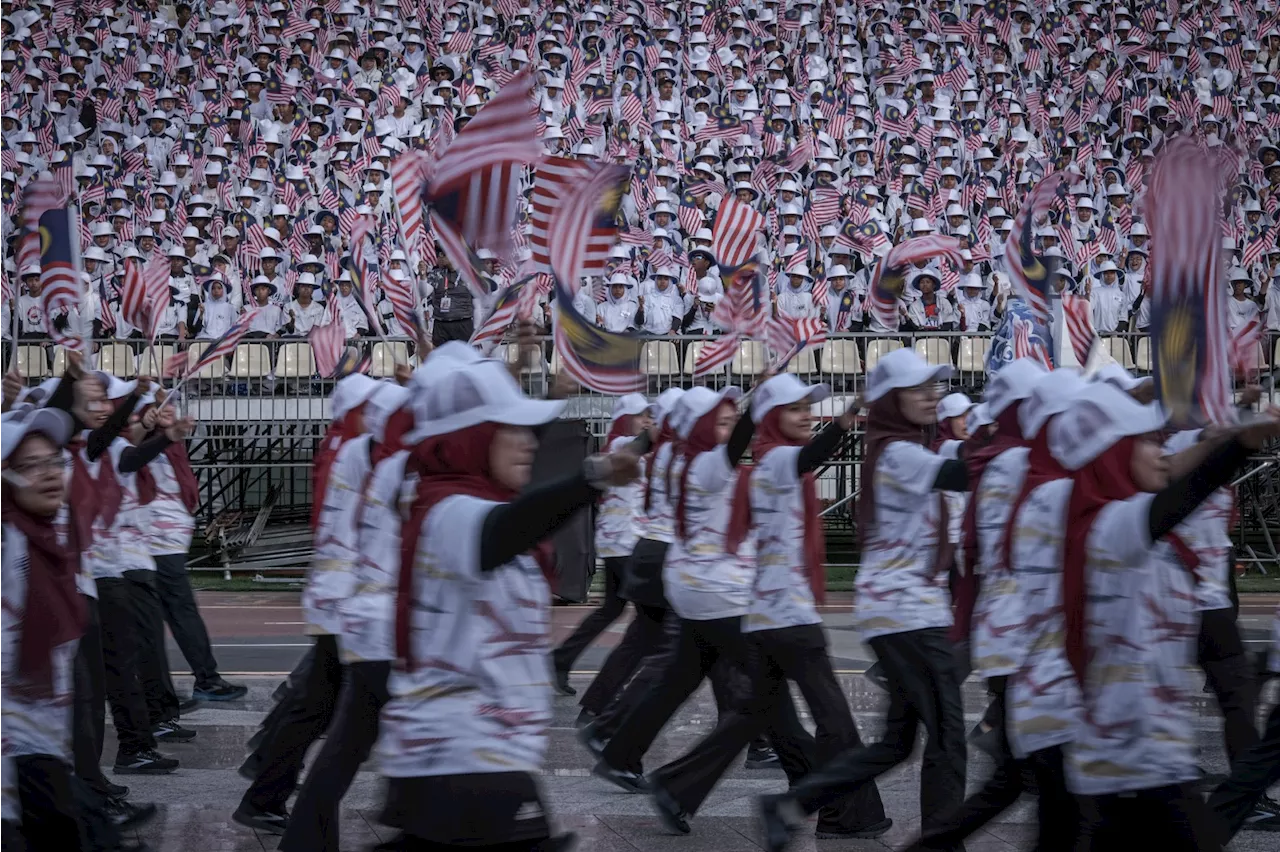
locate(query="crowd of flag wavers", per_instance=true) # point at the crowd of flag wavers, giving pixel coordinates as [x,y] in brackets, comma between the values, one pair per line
[1057,540]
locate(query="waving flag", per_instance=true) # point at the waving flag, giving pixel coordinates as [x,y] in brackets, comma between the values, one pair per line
[604,361]
[1244,347]
[1078,316]
[144,296]
[472,191]
[408,174]
[514,303]
[365,288]
[1189,337]
[788,337]
[891,274]
[177,365]
[1025,347]
[1030,271]
[741,313]
[586,215]
[61,277]
[38,198]
[327,341]
[737,227]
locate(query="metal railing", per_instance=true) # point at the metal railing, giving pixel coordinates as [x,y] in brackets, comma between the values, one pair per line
[261,412]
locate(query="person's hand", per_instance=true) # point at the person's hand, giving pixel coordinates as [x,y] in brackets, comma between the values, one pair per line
[1144,392]
[165,416]
[625,467]
[847,420]
[13,385]
[75,364]
[1250,395]
[272,336]
[1257,433]
[403,373]
[149,420]
[143,385]
[180,429]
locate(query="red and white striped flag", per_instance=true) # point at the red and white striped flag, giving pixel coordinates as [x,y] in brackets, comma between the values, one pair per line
[409,171]
[1023,347]
[788,337]
[327,340]
[38,198]
[589,207]
[177,365]
[62,278]
[737,227]
[554,180]
[716,354]
[1027,269]
[1244,347]
[890,280]
[144,295]
[1077,314]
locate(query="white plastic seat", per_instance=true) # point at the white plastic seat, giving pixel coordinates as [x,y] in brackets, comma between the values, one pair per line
[295,361]
[385,356]
[1118,348]
[1143,360]
[935,350]
[691,355]
[117,359]
[803,363]
[59,362]
[877,349]
[250,361]
[840,358]
[32,362]
[215,369]
[154,360]
[973,354]
[660,358]
[750,359]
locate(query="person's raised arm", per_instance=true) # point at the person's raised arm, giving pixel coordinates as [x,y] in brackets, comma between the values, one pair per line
[825,444]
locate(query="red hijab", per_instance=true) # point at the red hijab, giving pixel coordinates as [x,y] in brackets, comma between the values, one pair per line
[176,453]
[665,436]
[448,465]
[768,436]
[54,614]
[623,427]
[702,439]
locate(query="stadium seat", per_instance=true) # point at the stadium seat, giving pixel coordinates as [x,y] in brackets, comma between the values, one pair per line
[553,369]
[154,359]
[973,354]
[877,349]
[59,362]
[840,358]
[804,363]
[750,360]
[215,369]
[295,361]
[117,359]
[660,358]
[1143,361]
[385,357]
[935,350]
[1118,348]
[510,353]
[32,362]
[691,356]
[250,361]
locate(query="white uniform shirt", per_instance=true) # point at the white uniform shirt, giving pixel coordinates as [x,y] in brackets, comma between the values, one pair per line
[1109,306]
[997,614]
[218,317]
[658,523]
[167,523]
[780,593]
[305,319]
[616,533]
[898,589]
[119,545]
[478,698]
[332,578]
[1207,532]
[797,304]
[702,582]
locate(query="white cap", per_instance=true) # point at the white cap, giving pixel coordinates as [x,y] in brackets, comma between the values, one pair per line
[350,392]
[902,368]
[629,405]
[1098,417]
[1114,374]
[666,403]
[466,390]
[1013,382]
[697,402]
[954,405]
[384,401]
[784,389]
[55,424]
[1052,395]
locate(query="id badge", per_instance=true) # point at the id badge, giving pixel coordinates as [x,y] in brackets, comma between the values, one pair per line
[445,301]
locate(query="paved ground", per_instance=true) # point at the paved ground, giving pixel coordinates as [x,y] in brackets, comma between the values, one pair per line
[259,636]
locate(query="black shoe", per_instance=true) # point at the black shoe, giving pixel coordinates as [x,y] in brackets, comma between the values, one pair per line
[585,717]
[145,762]
[876,675]
[1269,805]
[190,705]
[1260,820]
[218,689]
[251,817]
[108,790]
[562,683]
[631,782]
[986,739]
[669,810]
[251,768]
[590,741]
[869,833]
[778,830]
[172,732]
[764,758]
[126,815]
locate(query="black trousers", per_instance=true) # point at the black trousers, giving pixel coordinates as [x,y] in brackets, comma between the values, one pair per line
[492,810]
[308,715]
[924,690]
[1171,819]
[701,648]
[662,626]
[643,637]
[120,656]
[313,826]
[598,621]
[1251,774]
[50,817]
[153,662]
[183,616]
[89,713]
[1231,677]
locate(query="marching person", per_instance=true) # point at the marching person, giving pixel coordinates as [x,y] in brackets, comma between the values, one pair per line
[472,613]
[901,605]
[616,538]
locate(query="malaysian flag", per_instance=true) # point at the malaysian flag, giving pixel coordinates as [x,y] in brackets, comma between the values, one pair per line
[1025,347]
[737,228]
[327,341]
[38,198]
[891,273]
[365,281]
[1245,350]
[408,174]
[1077,315]
[473,189]
[555,180]
[1029,271]
[61,278]
[515,302]
[145,295]
[603,361]
[181,365]
[787,337]
[589,207]
[1189,338]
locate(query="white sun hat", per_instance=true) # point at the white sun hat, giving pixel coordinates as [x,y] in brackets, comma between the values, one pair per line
[1013,382]
[1099,416]
[784,389]
[902,368]
[1051,395]
[696,402]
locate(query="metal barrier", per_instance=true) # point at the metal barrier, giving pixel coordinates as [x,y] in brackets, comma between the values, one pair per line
[261,412]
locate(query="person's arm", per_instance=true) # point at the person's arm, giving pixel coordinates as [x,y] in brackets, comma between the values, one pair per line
[952,476]
[64,394]
[134,459]
[100,439]
[1183,496]
[740,439]
[821,447]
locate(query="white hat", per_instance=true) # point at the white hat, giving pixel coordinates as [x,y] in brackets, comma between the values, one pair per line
[666,402]
[466,390]
[54,423]
[979,416]
[1013,382]
[784,389]
[697,402]
[902,368]
[1052,395]
[349,392]
[1114,374]
[1099,416]
[629,405]
[382,402]
[954,405]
